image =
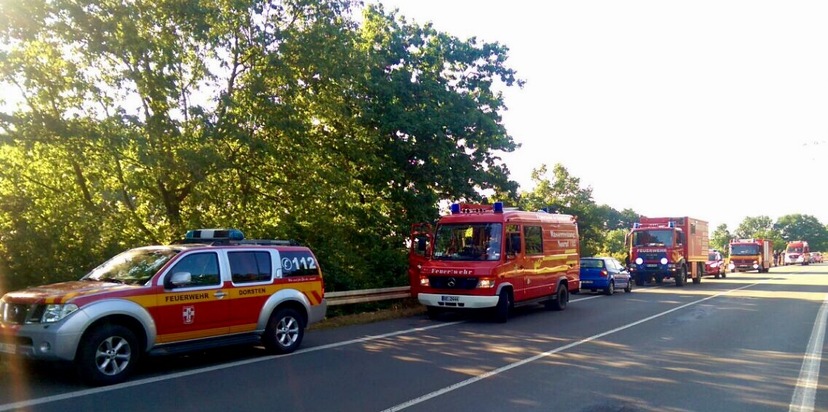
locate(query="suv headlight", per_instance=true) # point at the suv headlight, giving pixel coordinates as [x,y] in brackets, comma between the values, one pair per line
[56,312]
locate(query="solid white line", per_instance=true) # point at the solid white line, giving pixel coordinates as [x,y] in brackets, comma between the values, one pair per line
[805,393]
[129,384]
[92,391]
[502,369]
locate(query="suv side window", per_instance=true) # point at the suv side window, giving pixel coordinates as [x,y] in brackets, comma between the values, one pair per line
[202,267]
[250,266]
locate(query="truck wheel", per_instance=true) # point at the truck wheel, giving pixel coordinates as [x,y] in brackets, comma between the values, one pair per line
[610,289]
[284,331]
[504,303]
[107,355]
[561,299]
[639,280]
[681,277]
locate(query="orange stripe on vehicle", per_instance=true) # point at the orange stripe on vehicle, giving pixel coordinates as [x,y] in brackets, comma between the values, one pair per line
[147,301]
[182,336]
[243,328]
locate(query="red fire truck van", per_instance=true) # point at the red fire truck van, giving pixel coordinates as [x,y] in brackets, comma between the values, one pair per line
[668,247]
[495,258]
[797,252]
[750,254]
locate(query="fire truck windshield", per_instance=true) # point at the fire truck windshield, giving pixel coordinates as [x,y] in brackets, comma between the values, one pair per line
[133,267]
[653,237]
[794,249]
[468,241]
[744,250]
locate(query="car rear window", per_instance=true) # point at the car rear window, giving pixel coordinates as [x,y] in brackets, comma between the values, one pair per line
[592,263]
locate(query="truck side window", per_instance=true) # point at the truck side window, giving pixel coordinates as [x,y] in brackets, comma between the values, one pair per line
[512,240]
[421,243]
[534,240]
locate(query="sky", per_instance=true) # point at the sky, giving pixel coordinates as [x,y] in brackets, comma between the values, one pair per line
[716,110]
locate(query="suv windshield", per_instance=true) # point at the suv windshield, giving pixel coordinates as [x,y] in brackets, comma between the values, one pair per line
[471,241]
[133,267]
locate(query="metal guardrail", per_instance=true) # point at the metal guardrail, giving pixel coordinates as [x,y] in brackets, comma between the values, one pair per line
[367,295]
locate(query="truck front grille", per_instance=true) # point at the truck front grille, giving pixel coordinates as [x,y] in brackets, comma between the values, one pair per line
[450,282]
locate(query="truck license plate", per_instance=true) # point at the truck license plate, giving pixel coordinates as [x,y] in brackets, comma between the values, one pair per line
[8,348]
[449,298]
[652,265]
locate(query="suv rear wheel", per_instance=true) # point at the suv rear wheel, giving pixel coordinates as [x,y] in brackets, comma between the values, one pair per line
[284,331]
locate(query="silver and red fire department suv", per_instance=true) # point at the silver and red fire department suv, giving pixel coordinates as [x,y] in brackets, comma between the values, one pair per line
[214,288]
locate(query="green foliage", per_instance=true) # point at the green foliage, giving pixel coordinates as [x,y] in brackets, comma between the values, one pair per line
[614,244]
[285,119]
[803,227]
[599,226]
[761,227]
[720,239]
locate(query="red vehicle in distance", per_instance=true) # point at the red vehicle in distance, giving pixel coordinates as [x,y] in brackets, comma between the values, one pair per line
[715,265]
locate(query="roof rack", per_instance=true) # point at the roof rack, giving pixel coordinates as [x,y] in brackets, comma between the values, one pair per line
[228,237]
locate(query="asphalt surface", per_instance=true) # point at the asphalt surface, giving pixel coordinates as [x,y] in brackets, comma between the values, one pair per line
[750,342]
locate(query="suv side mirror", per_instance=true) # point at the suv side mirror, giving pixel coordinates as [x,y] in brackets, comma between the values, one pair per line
[180,279]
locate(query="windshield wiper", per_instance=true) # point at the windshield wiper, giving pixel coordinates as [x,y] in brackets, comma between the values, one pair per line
[111,280]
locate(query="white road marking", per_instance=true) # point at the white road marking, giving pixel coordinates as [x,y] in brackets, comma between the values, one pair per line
[805,393]
[510,366]
[129,384]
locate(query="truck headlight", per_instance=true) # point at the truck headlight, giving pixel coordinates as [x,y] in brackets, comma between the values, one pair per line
[485,283]
[664,261]
[639,261]
[55,312]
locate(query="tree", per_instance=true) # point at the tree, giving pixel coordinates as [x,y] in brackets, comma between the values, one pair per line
[761,227]
[614,244]
[563,194]
[803,227]
[720,239]
[285,119]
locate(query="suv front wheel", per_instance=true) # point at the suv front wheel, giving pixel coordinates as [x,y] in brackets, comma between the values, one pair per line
[107,355]
[284,331]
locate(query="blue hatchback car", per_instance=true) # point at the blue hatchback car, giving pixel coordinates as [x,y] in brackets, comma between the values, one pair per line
[604,273]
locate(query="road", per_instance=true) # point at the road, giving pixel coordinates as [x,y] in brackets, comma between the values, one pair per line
[750,342]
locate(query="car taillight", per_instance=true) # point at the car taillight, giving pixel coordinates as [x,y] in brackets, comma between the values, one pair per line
[604,273]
